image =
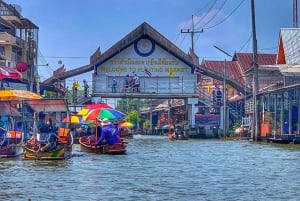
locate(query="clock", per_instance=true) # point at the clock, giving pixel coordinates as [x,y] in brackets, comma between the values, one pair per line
[144,47]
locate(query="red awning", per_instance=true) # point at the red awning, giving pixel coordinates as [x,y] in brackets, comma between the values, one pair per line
[7,73]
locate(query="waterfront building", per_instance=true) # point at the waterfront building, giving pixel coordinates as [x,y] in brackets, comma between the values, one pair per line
[18,45]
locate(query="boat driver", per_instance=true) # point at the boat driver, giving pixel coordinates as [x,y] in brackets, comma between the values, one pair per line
[108,134]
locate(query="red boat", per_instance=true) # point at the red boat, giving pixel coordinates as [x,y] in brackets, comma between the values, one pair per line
[119,148]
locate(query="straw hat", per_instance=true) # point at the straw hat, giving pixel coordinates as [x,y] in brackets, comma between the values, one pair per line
[105,122]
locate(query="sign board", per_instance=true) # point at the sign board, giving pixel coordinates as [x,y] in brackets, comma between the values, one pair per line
[207,119]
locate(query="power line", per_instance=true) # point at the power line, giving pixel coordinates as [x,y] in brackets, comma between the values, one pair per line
[226,16]
[66,57]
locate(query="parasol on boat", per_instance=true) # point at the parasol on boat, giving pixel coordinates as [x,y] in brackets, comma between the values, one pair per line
[126,124]
[98,106]
[103,113]
[73,119]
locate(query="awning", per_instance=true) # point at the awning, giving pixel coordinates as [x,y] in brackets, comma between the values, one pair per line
[48,105]
[17,95]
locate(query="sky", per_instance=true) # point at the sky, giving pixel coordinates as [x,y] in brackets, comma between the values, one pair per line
[71,31]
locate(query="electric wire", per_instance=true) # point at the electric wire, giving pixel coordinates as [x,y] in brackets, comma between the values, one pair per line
[227,17]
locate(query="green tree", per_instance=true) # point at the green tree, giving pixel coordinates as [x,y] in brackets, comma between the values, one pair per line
[132,117]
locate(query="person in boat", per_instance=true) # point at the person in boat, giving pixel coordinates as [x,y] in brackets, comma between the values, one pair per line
[176,133]
[108,134]
[41,125]
[117,131]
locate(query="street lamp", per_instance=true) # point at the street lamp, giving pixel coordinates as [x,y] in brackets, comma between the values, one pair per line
[224,92]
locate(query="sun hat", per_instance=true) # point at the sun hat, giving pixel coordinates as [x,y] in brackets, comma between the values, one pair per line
[105,122]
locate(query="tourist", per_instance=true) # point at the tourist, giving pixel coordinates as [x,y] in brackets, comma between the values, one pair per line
[213,94]
[86,88]
[126,83]
[219,97]
[136,86]
[114,86]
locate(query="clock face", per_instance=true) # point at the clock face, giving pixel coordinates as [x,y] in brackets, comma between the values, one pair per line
[144,47]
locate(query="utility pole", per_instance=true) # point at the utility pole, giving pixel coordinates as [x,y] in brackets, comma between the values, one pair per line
[254,133]
[295,13]
[224,92]
[192,32]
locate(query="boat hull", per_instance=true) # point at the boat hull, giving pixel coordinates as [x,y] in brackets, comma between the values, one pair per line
[119,148]
[62,152]
[180,137]
[12,147]
[11,150]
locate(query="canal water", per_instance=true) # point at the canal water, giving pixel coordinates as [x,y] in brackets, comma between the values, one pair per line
[157,169]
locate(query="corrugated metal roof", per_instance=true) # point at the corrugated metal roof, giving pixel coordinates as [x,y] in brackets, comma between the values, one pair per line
[246,59]
[290,39]
[232,69]
[48,105]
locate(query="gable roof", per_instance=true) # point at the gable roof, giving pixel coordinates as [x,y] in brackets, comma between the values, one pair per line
[232,69]
[289,46]
[246,59]
[145,30]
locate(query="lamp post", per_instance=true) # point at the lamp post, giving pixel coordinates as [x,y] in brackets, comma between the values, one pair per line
[224,92]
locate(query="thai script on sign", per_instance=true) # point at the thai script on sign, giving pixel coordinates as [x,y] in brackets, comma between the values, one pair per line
[121,69]
[148,62]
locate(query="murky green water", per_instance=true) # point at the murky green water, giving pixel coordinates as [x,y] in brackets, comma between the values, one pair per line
[157,169]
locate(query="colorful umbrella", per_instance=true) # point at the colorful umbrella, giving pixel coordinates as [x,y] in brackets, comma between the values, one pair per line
[98,106]
[88,108]
[103,113]
[83,111]
[126,124]
[17,95]
[72,119]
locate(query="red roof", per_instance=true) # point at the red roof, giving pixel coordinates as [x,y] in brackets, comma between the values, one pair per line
[246,59]
[232,69]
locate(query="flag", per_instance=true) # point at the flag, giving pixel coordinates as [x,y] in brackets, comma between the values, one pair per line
[147,72]
[197,70]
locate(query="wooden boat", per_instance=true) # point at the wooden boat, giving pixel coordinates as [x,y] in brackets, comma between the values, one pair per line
[11,143]
[43,148]
[179,137]
[119,148]
[52,145]
[89,130]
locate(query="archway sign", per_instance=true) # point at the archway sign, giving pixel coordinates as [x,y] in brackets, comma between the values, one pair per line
[158,71]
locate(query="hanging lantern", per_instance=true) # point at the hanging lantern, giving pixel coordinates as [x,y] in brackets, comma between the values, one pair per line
[22,66]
